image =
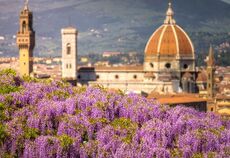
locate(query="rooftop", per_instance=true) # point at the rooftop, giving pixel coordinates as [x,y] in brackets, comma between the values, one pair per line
[182,98]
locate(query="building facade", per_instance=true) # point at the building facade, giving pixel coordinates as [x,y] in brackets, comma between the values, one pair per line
[169,65]
[69,53]
[26,41]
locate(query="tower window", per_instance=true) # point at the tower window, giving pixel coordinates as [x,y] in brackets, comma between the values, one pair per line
[23,27]
[68,49]
[97,76]
[70,66]
[67,66]
[116,76]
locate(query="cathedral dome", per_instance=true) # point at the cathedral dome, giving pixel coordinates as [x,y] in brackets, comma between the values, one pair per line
[169,40]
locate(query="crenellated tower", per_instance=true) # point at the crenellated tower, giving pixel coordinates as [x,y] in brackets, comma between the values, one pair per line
[26,41]
[211,73]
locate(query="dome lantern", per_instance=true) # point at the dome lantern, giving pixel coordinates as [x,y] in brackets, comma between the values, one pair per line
[169,15]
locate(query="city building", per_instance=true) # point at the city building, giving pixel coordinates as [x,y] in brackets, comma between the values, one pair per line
[26,41]
[169,65]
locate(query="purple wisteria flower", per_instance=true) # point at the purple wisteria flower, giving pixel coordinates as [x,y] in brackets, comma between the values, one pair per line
[55,120]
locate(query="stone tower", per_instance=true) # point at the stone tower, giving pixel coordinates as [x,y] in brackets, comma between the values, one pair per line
[211,73]
[69,53]
[26,41]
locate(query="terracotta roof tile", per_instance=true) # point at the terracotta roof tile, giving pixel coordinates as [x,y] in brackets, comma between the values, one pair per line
[169,40]
[176,98]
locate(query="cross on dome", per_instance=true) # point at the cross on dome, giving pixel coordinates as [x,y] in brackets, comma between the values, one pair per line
[169,15]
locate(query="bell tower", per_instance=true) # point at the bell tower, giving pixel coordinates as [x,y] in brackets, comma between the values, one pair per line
[26,41]
[211,73]
[69,53]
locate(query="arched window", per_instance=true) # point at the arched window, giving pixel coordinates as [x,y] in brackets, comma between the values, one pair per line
[23,26]
[68,49]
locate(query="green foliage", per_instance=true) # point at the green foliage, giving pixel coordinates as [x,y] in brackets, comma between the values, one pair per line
[65,141]
[31,133]
[29,79]
[80,90]
[8,72]
[101,105]
[2,113]
[65,82]
[211,155]
[59,94]
[126,125]
[96,120]
[3,134]
[176,153]
[7,82]
[7,155]
[6,89]
[77,111]
[198,155]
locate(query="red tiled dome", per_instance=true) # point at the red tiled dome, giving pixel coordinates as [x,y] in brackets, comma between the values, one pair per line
[169,40]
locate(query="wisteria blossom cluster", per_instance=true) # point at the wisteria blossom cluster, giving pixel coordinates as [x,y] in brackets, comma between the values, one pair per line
[55,120]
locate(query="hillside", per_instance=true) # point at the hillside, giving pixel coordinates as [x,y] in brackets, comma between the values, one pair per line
[108,25]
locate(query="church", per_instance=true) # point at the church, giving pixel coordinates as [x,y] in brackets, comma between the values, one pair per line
[169,64]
